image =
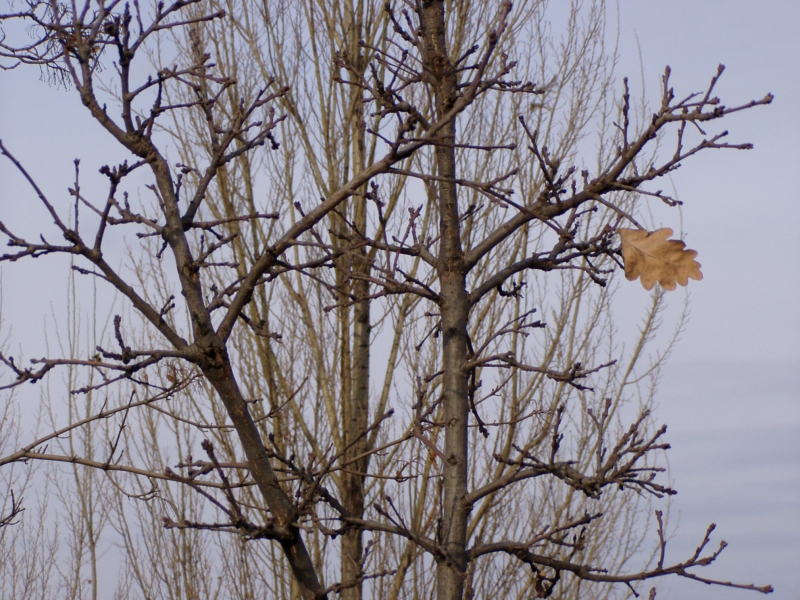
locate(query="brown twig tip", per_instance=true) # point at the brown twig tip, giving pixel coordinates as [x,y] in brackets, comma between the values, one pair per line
[16,510]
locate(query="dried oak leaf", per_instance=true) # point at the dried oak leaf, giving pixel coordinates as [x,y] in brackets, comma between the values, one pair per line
[654,257]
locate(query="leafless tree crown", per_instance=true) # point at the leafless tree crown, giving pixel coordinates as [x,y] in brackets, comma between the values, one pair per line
[366,301]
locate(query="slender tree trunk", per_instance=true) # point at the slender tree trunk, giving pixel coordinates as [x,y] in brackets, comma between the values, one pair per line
[355,425]
[217,369]
[356,408]
[214,361]
[451,573]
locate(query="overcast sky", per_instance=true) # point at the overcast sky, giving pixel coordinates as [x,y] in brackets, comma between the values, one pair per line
[730,394]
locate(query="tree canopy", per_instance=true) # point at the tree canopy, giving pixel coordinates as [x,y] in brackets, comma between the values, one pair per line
[364,324]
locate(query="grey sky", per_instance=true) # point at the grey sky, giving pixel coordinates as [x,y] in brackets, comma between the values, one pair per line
[730,394]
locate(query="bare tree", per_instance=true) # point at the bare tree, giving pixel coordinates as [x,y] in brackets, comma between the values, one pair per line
[27,547]
[443,197]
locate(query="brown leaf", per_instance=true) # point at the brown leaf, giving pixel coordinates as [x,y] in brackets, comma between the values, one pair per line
[654,257]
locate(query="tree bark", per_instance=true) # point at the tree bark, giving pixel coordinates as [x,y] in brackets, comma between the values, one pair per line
[355,424]
[212,358]
[217,369]
[356,403]
[454,310]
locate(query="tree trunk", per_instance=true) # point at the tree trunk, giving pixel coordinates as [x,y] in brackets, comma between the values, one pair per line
[214,362]
[356,403]
[355,420]
[216,367]
[355,425]
[454,310]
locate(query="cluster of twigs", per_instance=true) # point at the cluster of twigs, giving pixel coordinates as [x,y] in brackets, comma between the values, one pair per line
[416,95]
